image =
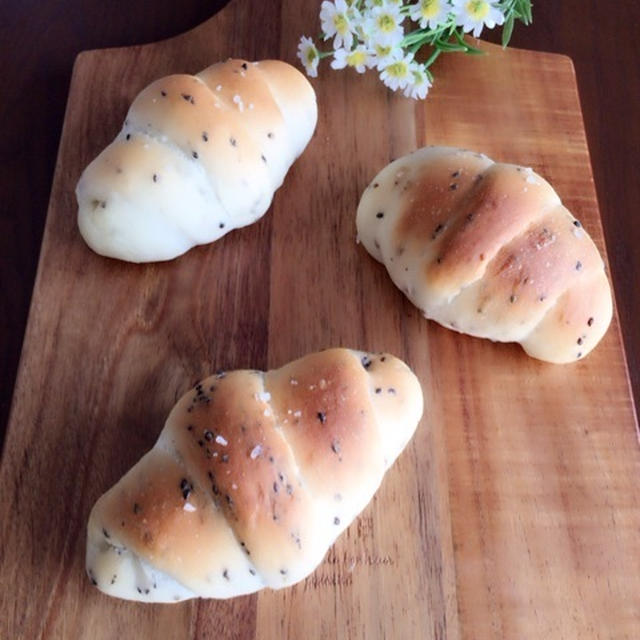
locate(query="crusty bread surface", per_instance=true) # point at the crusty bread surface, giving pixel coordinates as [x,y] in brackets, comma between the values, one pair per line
[487,249]
[253,478]
[197,156]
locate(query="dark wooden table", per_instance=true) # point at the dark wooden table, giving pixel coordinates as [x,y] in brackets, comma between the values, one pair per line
[38,43]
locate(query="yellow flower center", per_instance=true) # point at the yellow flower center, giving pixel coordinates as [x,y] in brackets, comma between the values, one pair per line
[477,9]
[340,23]
[383,51]
[386,22]
[418,77]
[311,54]
[398,69]
[356,58]
[429,8]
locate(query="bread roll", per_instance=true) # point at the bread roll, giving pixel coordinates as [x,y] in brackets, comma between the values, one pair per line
[487,249]
[253,478]
[197,156]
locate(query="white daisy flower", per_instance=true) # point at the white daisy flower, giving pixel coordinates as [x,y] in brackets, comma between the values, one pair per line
[384,25]
[309,56]
[431,13]
[382,55]
[397,74]
[359,58]
[419,84]
[336,20]
[475,14]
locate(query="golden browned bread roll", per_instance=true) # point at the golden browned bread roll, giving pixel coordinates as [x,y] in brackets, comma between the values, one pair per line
[197,157]
[253,478]
[487,249]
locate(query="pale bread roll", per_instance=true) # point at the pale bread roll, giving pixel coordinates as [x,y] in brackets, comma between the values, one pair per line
[253,478]
[197,157]
[487,249]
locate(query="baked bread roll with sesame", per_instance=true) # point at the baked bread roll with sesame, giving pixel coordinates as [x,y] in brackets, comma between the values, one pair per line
[253,478]
[197,156]
[487,249]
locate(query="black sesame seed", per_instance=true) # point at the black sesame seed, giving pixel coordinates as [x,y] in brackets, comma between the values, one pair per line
[185,487]
[378,390]
[94,582]
[335,446]
[542,298]
[225,574]
[336,521]
[283,572]
[275,487]
[453,186]
[188,98]
[128,136]
[224,457]
[244,66]
[269,135]
[392,391]
[380,214]
[136,508]
[577,223]
[366,362]
[201,443]
[208,435]
[221,225]
[376,185]
[579,354]
[289,490]
[263,158]
[578,265]
[195,154]
[281,477]
[163,93]
[139,589]
[455,174]
[252,572]
[271,459]
[579,340]
[469,217]
[113,579]
[322,417]
[155,177]
[229,499]
[512,298]
[590,321]
[233,142]
[383,358]
[214,488]
[105,533]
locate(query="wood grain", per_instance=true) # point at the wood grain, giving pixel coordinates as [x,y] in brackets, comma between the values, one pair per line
[513,513]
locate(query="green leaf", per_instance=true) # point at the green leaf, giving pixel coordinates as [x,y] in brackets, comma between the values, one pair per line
[507,30]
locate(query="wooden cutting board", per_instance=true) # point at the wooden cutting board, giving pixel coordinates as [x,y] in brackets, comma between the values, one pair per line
[514,512]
